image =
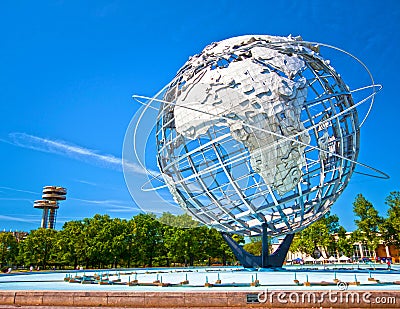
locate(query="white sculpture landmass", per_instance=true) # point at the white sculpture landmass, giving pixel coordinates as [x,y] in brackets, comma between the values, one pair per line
[250,91]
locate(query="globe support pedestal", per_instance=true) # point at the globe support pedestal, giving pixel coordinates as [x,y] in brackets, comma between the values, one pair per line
[266,260]
[265,247]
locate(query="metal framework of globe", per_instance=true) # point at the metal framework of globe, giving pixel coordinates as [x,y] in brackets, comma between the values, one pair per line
[254,130]
[256,135]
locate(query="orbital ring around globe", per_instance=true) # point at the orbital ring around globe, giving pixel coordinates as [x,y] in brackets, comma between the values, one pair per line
[158,176]
[233,167]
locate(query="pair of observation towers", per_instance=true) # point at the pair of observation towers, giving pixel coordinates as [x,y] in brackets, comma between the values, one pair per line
[49,203]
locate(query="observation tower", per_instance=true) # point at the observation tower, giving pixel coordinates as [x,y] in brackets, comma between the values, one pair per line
[49,203]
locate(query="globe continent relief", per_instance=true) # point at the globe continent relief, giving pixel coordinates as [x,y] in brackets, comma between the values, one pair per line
[257,129]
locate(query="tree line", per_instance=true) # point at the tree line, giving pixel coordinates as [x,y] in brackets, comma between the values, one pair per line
[101,241]
[371,229]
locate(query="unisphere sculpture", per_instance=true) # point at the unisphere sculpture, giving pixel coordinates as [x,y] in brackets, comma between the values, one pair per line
[257,135]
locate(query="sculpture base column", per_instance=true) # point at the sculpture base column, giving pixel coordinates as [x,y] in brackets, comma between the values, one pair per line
[266,260]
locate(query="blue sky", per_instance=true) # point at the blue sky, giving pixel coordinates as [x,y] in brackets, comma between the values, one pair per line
[68,70]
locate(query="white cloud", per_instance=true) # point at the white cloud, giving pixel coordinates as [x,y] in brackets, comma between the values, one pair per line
[19,190]
[87,182]
[115,205]
[101,202]
[122,209]
[15,199]
[72,151]
[19,219]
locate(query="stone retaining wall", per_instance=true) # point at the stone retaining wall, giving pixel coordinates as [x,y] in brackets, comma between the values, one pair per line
[205,299]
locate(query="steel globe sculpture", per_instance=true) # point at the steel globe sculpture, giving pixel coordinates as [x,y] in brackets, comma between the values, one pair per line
[256,135]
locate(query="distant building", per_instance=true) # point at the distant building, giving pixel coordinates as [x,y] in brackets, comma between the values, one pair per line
[19,236]
[360,251]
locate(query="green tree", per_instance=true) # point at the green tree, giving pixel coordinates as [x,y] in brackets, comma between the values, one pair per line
[120,241]
[132,254]
[254,246]
[186,245]
[344,243]
[390,226]
[39,247]
[317,236]
[217,248]
[184,240]
[181,221]
[71,244]
[213,246]
[98,237]
[8,248]
[147,238]
[367,222]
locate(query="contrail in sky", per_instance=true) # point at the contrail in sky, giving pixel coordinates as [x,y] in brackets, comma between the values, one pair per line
[72,151]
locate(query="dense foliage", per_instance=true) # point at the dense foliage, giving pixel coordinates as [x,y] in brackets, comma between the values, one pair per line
[371,229]
[8,248]
[105,242]
[317,236]
[390,227]
[102,241]
[367,222]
